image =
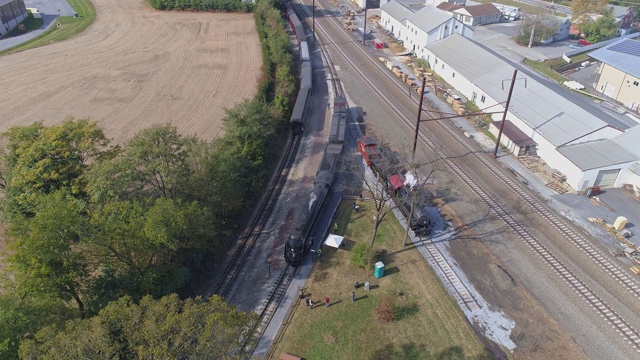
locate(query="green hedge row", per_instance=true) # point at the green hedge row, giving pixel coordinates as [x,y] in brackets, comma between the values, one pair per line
[203,5]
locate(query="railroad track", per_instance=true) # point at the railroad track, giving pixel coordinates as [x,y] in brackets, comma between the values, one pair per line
[457,287]
[249,237]
[269,307]
[594,301]
[460,292]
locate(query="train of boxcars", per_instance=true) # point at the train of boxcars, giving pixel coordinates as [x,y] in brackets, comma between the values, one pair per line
[299,241]
[306,75]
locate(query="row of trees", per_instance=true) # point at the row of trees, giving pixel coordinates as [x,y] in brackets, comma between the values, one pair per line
[166,329]
[203,5]
[88,223]
[94,228]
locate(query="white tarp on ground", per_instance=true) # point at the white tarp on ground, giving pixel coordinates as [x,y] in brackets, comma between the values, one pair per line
[334,241]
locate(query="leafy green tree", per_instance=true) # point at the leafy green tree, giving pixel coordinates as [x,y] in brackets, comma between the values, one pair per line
[168,328]
[602,29]
[43,159]
[580,9]
[22,314]
[154,160]
[46,255]
[150,246]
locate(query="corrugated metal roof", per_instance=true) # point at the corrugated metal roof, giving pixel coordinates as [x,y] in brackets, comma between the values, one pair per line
[630,140]
[397,9]
[446,6]
[429,17]
[551,115]
[635,168]
[597,154]
[623,55]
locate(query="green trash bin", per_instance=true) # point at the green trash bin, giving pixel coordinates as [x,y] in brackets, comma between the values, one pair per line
[378,270]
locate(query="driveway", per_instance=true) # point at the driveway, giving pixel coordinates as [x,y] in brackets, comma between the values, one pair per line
[499,38]
[613,203]
[51,7]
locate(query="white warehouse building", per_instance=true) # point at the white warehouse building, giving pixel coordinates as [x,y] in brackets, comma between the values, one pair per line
[417,25]
[590,147]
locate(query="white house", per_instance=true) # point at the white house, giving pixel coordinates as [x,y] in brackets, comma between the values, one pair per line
[562,31]
[419,26]
[571,135]
[478,14]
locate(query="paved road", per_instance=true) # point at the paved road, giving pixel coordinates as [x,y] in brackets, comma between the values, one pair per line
[51,7]
[50,10]
[499,37]
[48,21]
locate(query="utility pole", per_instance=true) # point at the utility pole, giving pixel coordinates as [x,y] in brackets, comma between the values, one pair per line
[415,136]
[504,115]
[364,33]
[533,30]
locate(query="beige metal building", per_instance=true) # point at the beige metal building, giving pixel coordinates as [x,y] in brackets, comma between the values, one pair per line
[619,72]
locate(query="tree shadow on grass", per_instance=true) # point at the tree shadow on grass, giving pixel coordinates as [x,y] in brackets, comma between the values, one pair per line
[404,311]
[405,351]
[415,351]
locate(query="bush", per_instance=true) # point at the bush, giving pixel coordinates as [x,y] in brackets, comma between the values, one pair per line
[363,256]
[385,311]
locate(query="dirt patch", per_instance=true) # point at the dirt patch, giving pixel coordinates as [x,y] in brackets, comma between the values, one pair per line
[537,335]
[135,67]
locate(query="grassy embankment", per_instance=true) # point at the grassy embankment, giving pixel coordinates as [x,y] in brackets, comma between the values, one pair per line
[428,323]
[69,26]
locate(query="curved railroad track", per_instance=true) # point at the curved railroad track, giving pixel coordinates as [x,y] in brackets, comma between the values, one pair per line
[574,282]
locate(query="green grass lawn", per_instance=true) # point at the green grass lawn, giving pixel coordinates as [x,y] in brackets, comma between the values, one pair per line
[69,26]
[428,323]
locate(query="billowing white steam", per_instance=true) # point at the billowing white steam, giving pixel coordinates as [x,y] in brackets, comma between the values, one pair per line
[410,179]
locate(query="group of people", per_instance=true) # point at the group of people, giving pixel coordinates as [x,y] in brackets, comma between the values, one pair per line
[309,302]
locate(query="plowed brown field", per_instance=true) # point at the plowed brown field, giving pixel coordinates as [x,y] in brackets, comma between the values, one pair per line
[135,67]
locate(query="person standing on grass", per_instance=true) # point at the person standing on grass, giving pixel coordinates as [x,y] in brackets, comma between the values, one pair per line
[353,296]
[326,301]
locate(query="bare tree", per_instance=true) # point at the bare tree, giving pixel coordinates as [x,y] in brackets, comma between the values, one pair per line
[381,182]
[537,28]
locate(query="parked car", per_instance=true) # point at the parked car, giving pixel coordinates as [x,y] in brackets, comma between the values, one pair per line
[584,42]
[576,46]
